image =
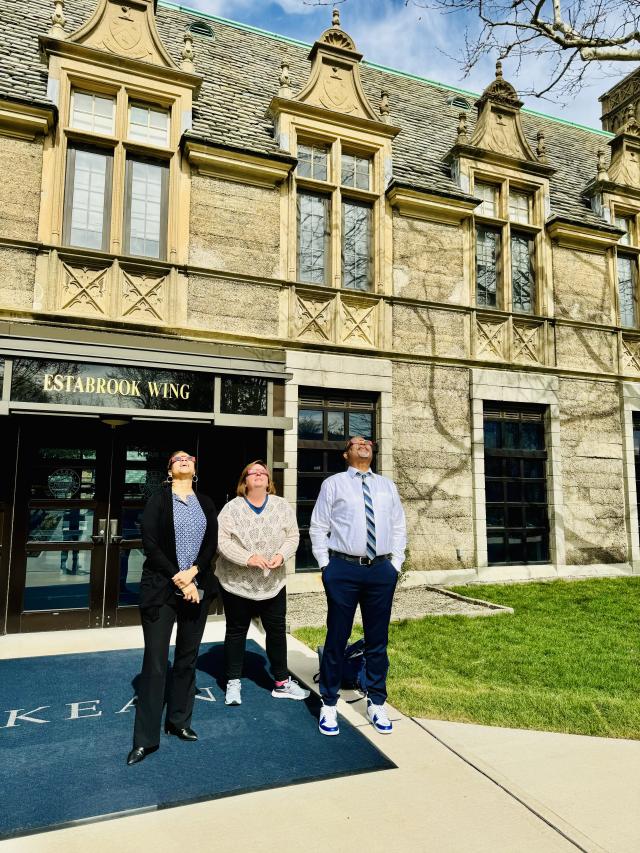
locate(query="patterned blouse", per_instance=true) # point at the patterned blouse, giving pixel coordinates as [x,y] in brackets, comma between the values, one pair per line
[190,524]
[242,533]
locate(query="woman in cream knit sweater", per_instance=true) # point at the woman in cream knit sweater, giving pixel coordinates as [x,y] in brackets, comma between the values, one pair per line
[257,533]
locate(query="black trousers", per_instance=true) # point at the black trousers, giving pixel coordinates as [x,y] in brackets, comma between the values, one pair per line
[347,585]
[238,614]
[181,690]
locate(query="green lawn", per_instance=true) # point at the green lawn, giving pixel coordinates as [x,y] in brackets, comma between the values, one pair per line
[568,660]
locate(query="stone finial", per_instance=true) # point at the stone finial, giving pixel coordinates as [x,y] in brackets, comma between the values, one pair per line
[384,107]
[284,80]
[187,52]
[602,173]
[498,69]
[335,18]
[541,149]
[58,21]
[462,128]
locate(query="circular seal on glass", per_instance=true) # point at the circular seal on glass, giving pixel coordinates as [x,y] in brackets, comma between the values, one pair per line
[63,483]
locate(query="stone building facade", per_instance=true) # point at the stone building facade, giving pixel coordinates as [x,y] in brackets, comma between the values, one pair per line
[217,239]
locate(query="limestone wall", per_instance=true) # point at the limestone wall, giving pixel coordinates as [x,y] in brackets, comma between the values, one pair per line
[592,471]
[581,348]
[428,331]
[21,166]
[581,286]
[224,305]
[234,227]
[432,463]
[17,276]
[428,261]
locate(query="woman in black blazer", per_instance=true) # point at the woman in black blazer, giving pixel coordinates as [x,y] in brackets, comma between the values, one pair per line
[179,537]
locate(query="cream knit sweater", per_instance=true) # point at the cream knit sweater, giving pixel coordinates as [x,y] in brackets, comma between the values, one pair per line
[242,533]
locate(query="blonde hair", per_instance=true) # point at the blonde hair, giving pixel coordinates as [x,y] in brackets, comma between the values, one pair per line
[241,489]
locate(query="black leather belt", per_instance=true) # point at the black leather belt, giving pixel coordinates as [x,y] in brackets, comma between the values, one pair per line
[361,561]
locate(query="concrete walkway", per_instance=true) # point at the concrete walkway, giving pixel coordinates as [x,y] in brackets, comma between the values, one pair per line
[456,789]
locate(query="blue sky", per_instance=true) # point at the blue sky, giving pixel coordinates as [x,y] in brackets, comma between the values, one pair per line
[402,36]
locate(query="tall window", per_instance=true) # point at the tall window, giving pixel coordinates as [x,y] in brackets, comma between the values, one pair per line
[515,484]
[88,198]
[334,249]
[145,208]
[313,237]
[506,232]
[627,257]
[93,138]
[325,420]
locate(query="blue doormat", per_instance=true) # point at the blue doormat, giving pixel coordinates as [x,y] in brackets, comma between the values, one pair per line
[66,724]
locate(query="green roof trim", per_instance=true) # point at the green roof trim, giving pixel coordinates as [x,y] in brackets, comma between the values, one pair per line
[179,7]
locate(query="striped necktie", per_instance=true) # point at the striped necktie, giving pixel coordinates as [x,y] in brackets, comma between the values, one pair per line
[370,516]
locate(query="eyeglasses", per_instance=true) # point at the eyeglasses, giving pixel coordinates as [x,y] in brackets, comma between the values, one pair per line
[175,459]
[364,442]
[257,473]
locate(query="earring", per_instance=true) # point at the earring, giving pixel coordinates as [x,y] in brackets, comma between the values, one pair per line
[194,478]
[169,478]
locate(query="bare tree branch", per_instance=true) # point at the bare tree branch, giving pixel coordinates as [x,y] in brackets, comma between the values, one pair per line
[572,34]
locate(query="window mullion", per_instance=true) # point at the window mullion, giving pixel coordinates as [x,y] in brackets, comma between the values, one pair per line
[506,283]
[336,215]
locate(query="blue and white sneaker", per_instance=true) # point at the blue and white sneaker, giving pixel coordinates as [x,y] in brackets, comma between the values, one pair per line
[328,723]
[378,718]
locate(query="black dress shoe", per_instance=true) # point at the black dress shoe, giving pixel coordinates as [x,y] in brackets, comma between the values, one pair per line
[139,753]
[185,733]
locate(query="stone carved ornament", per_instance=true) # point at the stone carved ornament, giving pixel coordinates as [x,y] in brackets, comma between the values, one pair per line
[499,128]
[334,81]
[123,29]
[625,153]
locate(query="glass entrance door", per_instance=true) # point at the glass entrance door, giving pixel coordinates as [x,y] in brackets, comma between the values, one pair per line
[81,488]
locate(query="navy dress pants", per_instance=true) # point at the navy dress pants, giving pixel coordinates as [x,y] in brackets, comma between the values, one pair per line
[347,585]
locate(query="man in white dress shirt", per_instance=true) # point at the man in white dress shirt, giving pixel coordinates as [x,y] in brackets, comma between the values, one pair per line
[358,536]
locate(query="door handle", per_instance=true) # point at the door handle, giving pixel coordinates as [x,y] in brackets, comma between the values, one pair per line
[113,532]
[98,538]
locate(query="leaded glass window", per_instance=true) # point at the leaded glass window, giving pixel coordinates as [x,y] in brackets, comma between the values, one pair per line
[149,124]
[519,207]
[312,162]
[92,112]
[626,224]
[313,237]
[522,280]
[627,290]
[356,245]
[146,208]
[489,195]
[355,171]
[487,252]
[88,198]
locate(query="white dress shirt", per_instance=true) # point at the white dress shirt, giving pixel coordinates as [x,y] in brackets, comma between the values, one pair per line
[338,520]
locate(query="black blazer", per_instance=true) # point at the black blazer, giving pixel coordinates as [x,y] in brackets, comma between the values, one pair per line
[159,544]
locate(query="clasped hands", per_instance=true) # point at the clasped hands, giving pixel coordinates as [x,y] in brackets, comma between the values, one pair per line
[257,561]
[184,581]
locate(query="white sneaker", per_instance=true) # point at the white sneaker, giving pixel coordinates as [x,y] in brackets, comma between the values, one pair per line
[233,696]
[378,718]
[328,722]
[289,690]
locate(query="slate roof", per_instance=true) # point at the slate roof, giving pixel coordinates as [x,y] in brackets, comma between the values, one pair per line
[241,66]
